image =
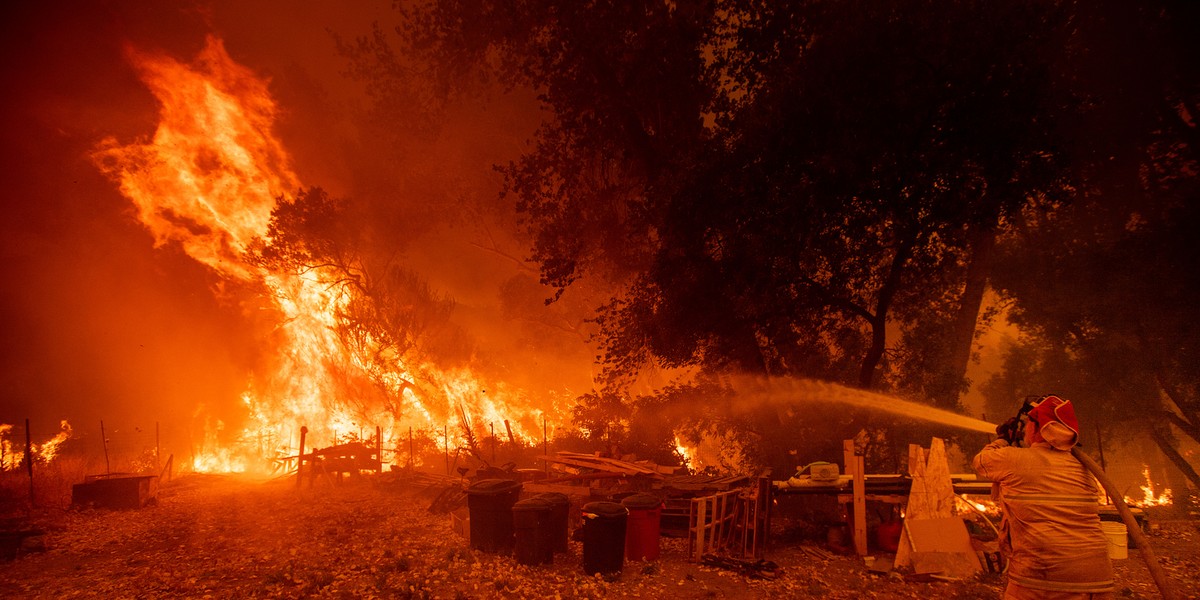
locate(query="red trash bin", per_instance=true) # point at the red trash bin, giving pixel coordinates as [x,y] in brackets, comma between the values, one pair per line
[643,526]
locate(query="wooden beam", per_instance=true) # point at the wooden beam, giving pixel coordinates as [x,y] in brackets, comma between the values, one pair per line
[642,468]
[855,464]
[300,456]
[602,465]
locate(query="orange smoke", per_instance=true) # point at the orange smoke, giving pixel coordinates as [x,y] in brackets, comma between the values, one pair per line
[208,180]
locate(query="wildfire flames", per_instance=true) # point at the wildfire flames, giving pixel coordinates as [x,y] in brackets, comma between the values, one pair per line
[208,181]
[1148,496]
[11,458]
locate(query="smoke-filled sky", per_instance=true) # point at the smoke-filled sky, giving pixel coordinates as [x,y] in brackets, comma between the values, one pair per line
[100,324]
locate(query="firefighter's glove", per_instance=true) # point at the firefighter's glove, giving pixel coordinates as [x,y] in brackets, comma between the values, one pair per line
[1010,430]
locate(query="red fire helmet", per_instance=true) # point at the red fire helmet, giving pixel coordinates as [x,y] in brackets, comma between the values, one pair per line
[1053,409]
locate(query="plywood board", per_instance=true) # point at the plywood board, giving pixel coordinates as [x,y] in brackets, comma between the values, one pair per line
[932,493]
[941,546]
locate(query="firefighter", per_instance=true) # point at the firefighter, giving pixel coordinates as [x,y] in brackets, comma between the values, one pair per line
[1050,533]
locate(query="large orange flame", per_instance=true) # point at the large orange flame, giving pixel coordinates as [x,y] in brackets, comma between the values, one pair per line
[208,181]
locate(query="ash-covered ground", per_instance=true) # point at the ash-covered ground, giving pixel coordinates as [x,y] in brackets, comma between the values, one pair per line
[225,537]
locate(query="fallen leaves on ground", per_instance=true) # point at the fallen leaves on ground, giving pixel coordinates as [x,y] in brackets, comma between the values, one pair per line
[224,537]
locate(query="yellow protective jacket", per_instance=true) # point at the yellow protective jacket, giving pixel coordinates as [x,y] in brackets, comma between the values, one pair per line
[1051,519]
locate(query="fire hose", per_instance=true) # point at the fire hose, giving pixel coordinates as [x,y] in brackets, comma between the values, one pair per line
[1135,531]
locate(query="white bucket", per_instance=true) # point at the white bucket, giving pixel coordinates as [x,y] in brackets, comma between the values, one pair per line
[1118,538]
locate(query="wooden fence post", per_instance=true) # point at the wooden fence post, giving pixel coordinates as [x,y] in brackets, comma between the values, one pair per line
[29,461]
[300,455]
[104,440]
[855,467]
[379,448]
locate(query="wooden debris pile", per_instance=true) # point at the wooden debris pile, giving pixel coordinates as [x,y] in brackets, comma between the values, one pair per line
[346,458]
[578,474]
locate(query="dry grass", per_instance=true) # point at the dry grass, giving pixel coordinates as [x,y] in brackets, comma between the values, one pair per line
[52,482]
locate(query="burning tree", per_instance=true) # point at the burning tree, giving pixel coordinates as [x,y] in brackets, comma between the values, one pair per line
[351,340]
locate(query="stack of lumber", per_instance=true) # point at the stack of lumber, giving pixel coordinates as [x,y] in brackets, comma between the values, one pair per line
[575,473]
[575,461]
[706,483]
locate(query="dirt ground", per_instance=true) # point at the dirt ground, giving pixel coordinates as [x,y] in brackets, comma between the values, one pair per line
[221,537]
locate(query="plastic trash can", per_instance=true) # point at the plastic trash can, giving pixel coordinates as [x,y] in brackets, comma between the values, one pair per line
[490,503]
[643,527]
[603,537]
[560,508]
[532,528]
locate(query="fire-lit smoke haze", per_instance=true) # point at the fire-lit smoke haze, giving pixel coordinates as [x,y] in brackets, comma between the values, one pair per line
[208,181]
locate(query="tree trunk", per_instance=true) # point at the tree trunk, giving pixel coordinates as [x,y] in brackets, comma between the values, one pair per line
[1177,459]
[866,373]
[962,335]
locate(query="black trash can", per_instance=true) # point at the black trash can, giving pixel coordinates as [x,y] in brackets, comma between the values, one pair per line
[603,537]
[560,507]
[531,524]
[490,502]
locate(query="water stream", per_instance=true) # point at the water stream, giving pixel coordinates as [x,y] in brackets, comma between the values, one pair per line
[787,391]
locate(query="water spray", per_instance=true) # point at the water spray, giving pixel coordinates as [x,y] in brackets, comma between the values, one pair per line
[776,391]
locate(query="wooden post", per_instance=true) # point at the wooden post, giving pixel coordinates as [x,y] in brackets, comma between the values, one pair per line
[300,455]
[545,443]
[511,439]
[157,449]
[1103,464]
[167,469]
[312,468]
[29,460]
[447,432]
[379,448]
[104,440]
[855,467]
[700,522]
